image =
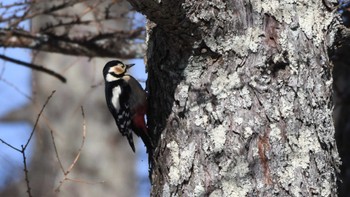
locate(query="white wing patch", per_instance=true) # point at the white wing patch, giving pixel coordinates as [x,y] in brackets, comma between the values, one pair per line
[115,99]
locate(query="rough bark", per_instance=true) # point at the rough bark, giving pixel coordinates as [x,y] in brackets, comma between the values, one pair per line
[240,97]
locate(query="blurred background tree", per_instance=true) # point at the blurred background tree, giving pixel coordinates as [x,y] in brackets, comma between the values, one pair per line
[70,41]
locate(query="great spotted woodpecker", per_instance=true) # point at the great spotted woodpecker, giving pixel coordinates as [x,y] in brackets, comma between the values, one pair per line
[127,101]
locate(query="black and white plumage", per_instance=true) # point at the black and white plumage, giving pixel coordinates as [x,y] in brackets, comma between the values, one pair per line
[127,101]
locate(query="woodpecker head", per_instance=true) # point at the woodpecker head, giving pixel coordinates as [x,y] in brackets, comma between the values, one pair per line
[115,69]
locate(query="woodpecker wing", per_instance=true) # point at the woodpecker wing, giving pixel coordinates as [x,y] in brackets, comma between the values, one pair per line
[138,101]
[123,123]
[117,96]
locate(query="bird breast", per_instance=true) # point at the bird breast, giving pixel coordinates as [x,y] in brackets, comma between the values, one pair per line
[115,98]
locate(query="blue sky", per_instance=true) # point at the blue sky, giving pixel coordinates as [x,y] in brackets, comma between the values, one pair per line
[138,71]
[15,87]
[15,133]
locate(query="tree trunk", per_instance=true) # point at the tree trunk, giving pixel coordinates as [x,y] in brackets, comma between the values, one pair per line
[240,98]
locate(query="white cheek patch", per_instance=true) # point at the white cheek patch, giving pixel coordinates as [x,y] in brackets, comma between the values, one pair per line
[115,99]
[111,78]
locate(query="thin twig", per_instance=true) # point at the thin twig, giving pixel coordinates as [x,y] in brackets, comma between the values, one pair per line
[26,170]
[82,142]
[24,147]
[70,168]
[56,152]
[37,119]
[2,71]
[2,78]
[9,145]
[15,88]
[34,67]
[90,43]
[83,181]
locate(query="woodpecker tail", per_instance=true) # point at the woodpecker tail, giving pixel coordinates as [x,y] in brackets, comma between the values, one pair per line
[130,140]
[139,127]
[142,132]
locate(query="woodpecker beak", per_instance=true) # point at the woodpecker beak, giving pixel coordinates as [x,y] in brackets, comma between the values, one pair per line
[129,66]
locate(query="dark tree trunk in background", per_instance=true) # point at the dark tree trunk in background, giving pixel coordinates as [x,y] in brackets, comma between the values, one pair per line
[240,98]
[341,73]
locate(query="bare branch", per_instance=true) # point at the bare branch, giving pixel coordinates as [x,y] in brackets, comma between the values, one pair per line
[79,151]
[15,88]
[35,67]
[84,181]
[31,11]
[59,34]
[37,119]
[24,147]
[22,151]
[56,152]
[82,143]
[115,44]
[9,145]
[70,168]
[26,170]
